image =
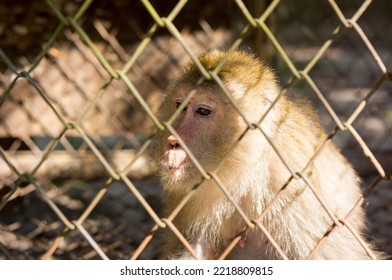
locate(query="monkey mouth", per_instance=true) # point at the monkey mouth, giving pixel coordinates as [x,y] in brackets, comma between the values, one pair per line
[175,161]
[174,173]
[174,168]
[182,166]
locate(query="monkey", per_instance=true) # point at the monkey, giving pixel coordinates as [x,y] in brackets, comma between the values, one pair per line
[254,148]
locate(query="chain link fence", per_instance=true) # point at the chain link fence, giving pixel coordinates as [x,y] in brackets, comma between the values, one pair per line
[80,82]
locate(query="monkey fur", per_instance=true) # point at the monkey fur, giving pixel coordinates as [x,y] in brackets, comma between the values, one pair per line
[250,169]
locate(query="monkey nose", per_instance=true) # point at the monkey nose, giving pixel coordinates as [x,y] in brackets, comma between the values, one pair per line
[173,143]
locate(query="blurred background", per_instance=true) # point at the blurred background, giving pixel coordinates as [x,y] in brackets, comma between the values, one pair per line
[75,178]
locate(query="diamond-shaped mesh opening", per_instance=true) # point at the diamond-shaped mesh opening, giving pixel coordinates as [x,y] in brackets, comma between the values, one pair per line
[24,109]
[300,25]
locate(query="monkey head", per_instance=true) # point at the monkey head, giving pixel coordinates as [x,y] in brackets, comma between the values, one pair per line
[209,124]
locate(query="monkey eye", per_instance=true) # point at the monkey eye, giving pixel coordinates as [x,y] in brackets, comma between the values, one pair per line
[203,111]
[178,103]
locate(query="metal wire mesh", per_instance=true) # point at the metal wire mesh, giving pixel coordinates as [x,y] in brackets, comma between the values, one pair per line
[76,118]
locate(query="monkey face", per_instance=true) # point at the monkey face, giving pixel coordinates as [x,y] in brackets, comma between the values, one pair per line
[208,123]
[204,126]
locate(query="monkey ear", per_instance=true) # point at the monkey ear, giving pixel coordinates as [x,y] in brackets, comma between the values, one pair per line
[269,93]
[237,89]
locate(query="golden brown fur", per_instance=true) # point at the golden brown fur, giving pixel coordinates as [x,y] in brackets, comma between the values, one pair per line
[253,172]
